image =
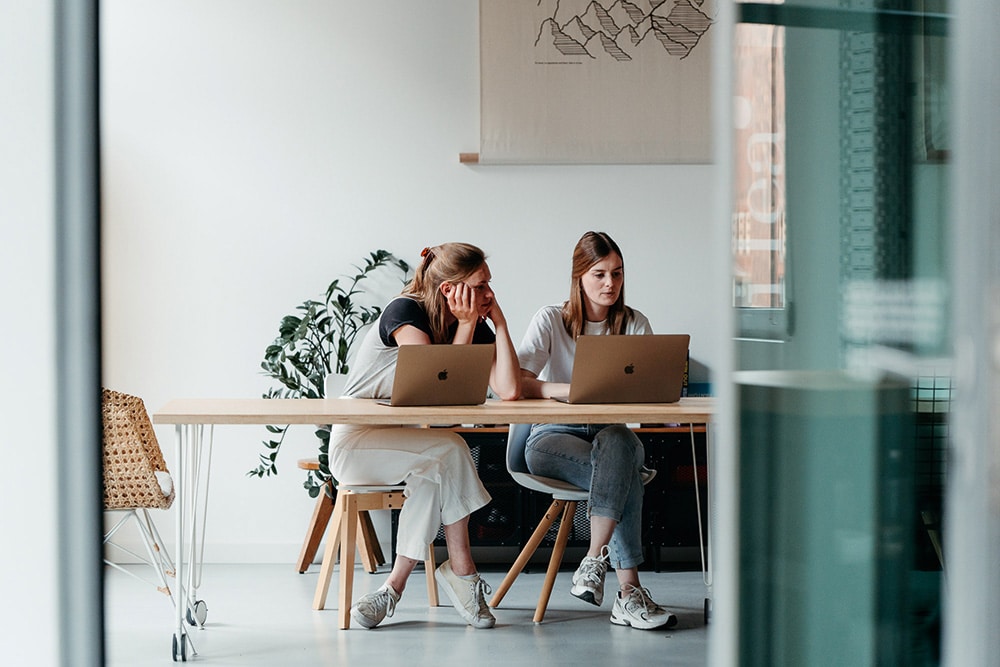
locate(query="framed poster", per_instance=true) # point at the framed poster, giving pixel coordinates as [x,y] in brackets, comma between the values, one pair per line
[596,81]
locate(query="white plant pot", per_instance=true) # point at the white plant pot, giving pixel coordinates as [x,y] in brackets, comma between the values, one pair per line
[334,385]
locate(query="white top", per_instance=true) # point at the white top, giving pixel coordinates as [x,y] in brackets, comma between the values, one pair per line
[547,350]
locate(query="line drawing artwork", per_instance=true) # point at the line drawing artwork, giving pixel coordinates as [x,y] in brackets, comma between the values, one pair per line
[596,81]
[620,30]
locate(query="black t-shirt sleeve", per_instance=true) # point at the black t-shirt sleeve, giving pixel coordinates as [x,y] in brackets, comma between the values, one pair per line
[399,312]
[402,311]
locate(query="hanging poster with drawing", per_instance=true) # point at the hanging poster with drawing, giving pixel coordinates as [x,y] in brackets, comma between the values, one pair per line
[596,81]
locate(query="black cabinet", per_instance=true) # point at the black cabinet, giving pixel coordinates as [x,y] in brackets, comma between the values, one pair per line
[670,508]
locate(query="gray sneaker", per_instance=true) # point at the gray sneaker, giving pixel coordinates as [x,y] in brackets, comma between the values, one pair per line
[468,595]
[371,609]
[634,607]
[588,580]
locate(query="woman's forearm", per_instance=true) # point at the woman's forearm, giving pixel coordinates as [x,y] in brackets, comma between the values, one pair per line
[506,375]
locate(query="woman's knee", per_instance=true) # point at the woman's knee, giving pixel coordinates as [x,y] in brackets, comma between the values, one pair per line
[618,432]
[620,444]
[454,460]
[619,439]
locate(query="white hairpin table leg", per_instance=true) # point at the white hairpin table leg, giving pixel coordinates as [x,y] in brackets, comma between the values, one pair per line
[188,439]
[704,540]
[179,644]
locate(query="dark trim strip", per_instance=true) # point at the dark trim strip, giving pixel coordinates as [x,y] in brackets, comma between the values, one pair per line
[78,354]
[851,20]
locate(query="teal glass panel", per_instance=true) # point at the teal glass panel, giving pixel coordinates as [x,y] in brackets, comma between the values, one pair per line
[843,420]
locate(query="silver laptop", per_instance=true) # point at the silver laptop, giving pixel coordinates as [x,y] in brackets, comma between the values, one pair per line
[629,369]
[441,375]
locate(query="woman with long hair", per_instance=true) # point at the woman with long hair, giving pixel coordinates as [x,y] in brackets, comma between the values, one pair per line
[608,460]
[449,301]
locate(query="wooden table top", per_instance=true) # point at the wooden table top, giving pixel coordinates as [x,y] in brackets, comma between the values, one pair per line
[367,411]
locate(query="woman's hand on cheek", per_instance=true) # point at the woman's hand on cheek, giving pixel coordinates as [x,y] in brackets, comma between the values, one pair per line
[462,302]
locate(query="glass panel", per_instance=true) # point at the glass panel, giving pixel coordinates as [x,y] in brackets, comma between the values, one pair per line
[759,164]
[759,181]
[842,426]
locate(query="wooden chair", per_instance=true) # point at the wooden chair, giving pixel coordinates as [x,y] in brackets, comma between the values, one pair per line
[368,545]
[352,500]
[565,497]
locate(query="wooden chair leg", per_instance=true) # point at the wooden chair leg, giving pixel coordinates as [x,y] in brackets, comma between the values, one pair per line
[314,534]
[365,553]
[528,551]
[330,554]
[562,537]
[347,535]
[432,587]
[348,542]
[368,546]
[376,548]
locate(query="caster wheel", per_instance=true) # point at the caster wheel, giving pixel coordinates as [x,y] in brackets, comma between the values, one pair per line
[182,645]
[708,610]
[197,613]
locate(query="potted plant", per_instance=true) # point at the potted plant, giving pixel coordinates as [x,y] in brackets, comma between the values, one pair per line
[311,344]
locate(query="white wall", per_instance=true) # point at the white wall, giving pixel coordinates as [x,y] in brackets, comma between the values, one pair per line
[253,150]
[28,562]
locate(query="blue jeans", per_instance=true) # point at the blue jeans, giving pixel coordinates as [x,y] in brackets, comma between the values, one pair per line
[605,459]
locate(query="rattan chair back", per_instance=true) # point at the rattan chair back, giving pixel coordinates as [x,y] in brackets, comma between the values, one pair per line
[132,455]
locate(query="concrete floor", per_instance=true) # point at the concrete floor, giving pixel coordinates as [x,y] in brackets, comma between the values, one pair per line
[262,615]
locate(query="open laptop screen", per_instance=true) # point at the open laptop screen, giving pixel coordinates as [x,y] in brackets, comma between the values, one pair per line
[441,375]
[629,369]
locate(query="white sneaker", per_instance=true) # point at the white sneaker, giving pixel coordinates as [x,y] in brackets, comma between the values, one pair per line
[634,607]
[588,580]
[371,609]
[646,475]
[468,595]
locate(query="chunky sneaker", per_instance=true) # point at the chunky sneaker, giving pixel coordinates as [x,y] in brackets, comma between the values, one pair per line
[468,594]
[646,475]
[635,608]
[371,609]
[588,580]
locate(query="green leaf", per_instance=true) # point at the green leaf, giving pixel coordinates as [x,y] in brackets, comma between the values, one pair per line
[289,323]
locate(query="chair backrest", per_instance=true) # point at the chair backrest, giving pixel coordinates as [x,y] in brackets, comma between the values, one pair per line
[517,466]
[133,463]
[517,439]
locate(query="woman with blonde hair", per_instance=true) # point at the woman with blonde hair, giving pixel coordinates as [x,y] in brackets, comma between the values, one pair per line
[449,301]
[606,459]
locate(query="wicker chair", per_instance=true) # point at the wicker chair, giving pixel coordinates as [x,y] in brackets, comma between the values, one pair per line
[135,480]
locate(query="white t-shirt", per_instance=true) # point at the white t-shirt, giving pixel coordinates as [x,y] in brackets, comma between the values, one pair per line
[547,350]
